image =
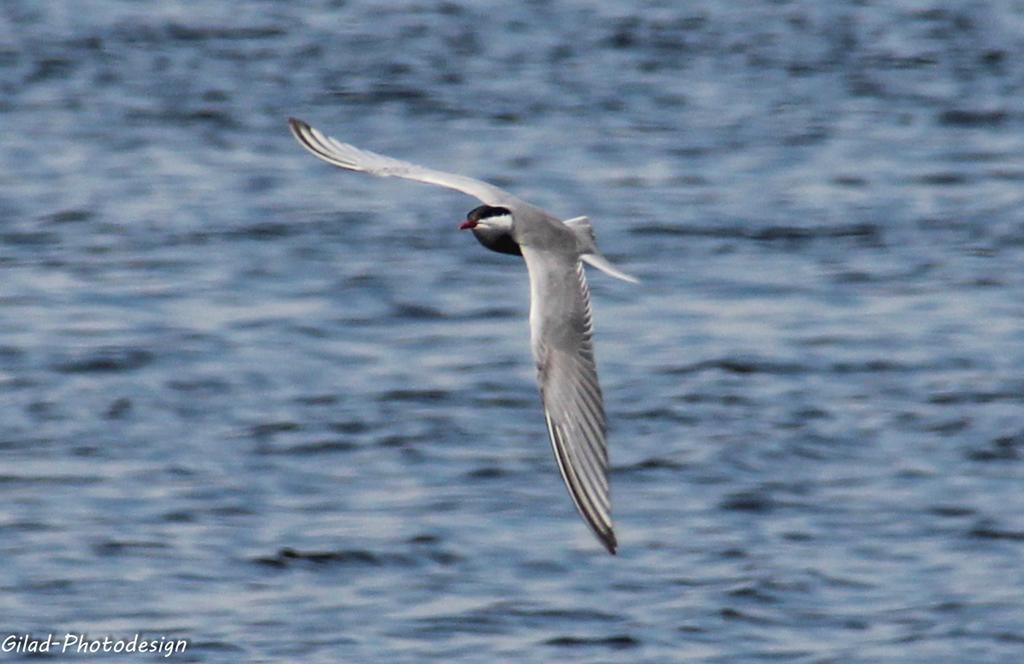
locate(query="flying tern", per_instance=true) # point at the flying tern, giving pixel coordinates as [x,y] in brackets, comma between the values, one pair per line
[561,325]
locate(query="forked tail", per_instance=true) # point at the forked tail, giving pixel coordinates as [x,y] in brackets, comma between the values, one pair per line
[589,252]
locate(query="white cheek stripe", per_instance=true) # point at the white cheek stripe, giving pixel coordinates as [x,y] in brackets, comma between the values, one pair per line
[501,221]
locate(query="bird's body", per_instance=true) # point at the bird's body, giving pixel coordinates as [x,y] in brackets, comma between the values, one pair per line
[561,326]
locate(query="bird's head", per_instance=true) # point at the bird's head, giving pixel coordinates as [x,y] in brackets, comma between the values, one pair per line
[488,217]
[492,227]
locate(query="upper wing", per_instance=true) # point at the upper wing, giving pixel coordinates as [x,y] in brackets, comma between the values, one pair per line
[348,156]
[561,330]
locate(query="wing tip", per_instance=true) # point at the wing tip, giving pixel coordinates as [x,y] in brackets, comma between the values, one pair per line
[301,131]
[295,123]
[600,524]
[321,146]
[609,542]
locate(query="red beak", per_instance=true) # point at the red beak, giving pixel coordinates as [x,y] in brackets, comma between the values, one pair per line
[467,224]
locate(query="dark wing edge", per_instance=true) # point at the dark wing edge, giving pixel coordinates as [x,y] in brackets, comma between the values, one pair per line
[315,142]
[585,502]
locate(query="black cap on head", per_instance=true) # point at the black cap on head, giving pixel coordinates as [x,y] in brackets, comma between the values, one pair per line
[486,212]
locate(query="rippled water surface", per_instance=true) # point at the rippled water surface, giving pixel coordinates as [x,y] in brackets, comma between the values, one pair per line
[288,412]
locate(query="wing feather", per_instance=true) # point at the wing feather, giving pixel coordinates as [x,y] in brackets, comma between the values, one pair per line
[561,327]
[352,158]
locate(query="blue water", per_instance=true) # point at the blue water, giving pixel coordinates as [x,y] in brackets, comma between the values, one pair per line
[288,412]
